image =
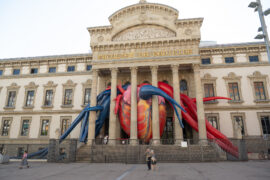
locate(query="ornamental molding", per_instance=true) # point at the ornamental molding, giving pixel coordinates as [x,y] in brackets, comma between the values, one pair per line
[245,49]
[142,44]
[141,8]
[13,86]
[208,78]
[45,60]
[88,83]
[232,76]
[69,83]
[31,85]
[144,32]
[257,76]
[50,84]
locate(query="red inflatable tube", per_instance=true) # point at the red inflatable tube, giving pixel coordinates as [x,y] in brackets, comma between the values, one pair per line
[191,119]
[117,103]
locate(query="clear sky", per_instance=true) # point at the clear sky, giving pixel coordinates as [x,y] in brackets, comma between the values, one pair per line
[54,27]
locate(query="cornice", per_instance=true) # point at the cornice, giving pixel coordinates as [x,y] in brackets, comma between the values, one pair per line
[235,108]
[45,60]
[241,48]
[142,7]
[99,29]
[42,112]
[234,65]
[46,75]
[144,44]
[189,22]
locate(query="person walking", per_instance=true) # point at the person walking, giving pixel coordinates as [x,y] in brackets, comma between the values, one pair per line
[24,161]
[148,158]
[153,161]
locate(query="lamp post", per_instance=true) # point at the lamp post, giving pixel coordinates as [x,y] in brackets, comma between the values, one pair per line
[258,7]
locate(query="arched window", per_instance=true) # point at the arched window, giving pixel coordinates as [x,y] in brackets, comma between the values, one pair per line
[184,87]
[165,81]
[127,83]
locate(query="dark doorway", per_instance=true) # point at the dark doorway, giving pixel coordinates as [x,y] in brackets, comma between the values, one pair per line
[168,132]
[187,132]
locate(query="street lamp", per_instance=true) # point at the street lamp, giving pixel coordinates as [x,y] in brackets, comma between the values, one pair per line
[258,7]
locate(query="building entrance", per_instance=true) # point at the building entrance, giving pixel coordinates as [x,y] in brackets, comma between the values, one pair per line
[168,132]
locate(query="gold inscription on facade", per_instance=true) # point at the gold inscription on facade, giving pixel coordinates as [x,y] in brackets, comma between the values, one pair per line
[146,54]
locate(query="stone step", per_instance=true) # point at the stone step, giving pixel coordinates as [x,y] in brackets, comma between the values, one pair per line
[135,154]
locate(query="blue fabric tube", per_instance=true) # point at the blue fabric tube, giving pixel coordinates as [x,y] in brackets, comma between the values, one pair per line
[147,91]
[85,119]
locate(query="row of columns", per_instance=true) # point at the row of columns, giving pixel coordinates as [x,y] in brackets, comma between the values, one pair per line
[178,132]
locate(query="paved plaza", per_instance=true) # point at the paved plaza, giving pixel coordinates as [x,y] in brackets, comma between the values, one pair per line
[180,171]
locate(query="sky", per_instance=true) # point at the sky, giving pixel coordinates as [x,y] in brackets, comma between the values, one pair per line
[53,27]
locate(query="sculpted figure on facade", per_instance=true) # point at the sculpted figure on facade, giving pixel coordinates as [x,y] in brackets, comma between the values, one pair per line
[144,32]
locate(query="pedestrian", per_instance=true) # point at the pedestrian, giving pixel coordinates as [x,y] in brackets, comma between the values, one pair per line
[148,158]
[106,139]
[153,161]
[24,161]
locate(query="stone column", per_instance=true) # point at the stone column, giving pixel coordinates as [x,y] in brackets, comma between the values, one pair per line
[155,109]
[200,106]
[133,119]
[178,132]
[92,116]
[113,116]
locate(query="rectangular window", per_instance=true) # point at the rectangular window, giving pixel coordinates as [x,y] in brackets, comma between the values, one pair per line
[209,90]
[34,71]
[68,97]
[229,60]
[1,72]
[259,91]
[11,99]
[213,121]
[87,94]
[234,91]
[52,70]
[16,71]
[48,97]
[5,127]
[65,125]
[25,128]
[206,61]
[265,125]
[239,122]
[71,68]
[44,127]
[88,67]
[30,98]
[253,59]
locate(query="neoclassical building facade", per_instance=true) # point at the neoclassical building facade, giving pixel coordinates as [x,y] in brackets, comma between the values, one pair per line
[145,42]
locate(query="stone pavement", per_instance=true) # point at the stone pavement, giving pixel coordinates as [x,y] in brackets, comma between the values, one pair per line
[179,171]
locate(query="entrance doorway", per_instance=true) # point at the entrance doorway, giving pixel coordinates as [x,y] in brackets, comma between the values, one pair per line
[187,132]
[168,132]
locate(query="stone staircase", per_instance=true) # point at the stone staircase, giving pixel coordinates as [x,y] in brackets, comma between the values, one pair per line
[135,154]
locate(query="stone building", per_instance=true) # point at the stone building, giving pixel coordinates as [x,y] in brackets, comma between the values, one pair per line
[41,96]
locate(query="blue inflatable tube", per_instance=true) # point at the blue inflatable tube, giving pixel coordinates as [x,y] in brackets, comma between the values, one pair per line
[147,91]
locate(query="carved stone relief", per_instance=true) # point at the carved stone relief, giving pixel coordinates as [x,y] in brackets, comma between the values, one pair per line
[144,32]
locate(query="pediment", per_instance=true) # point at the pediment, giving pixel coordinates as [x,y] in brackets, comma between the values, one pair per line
[144,32]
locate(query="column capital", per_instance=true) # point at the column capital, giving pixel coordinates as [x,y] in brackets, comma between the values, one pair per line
[95,70]
[175,67]
[196,67]
[114,69]
[154,68]
[135,68]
